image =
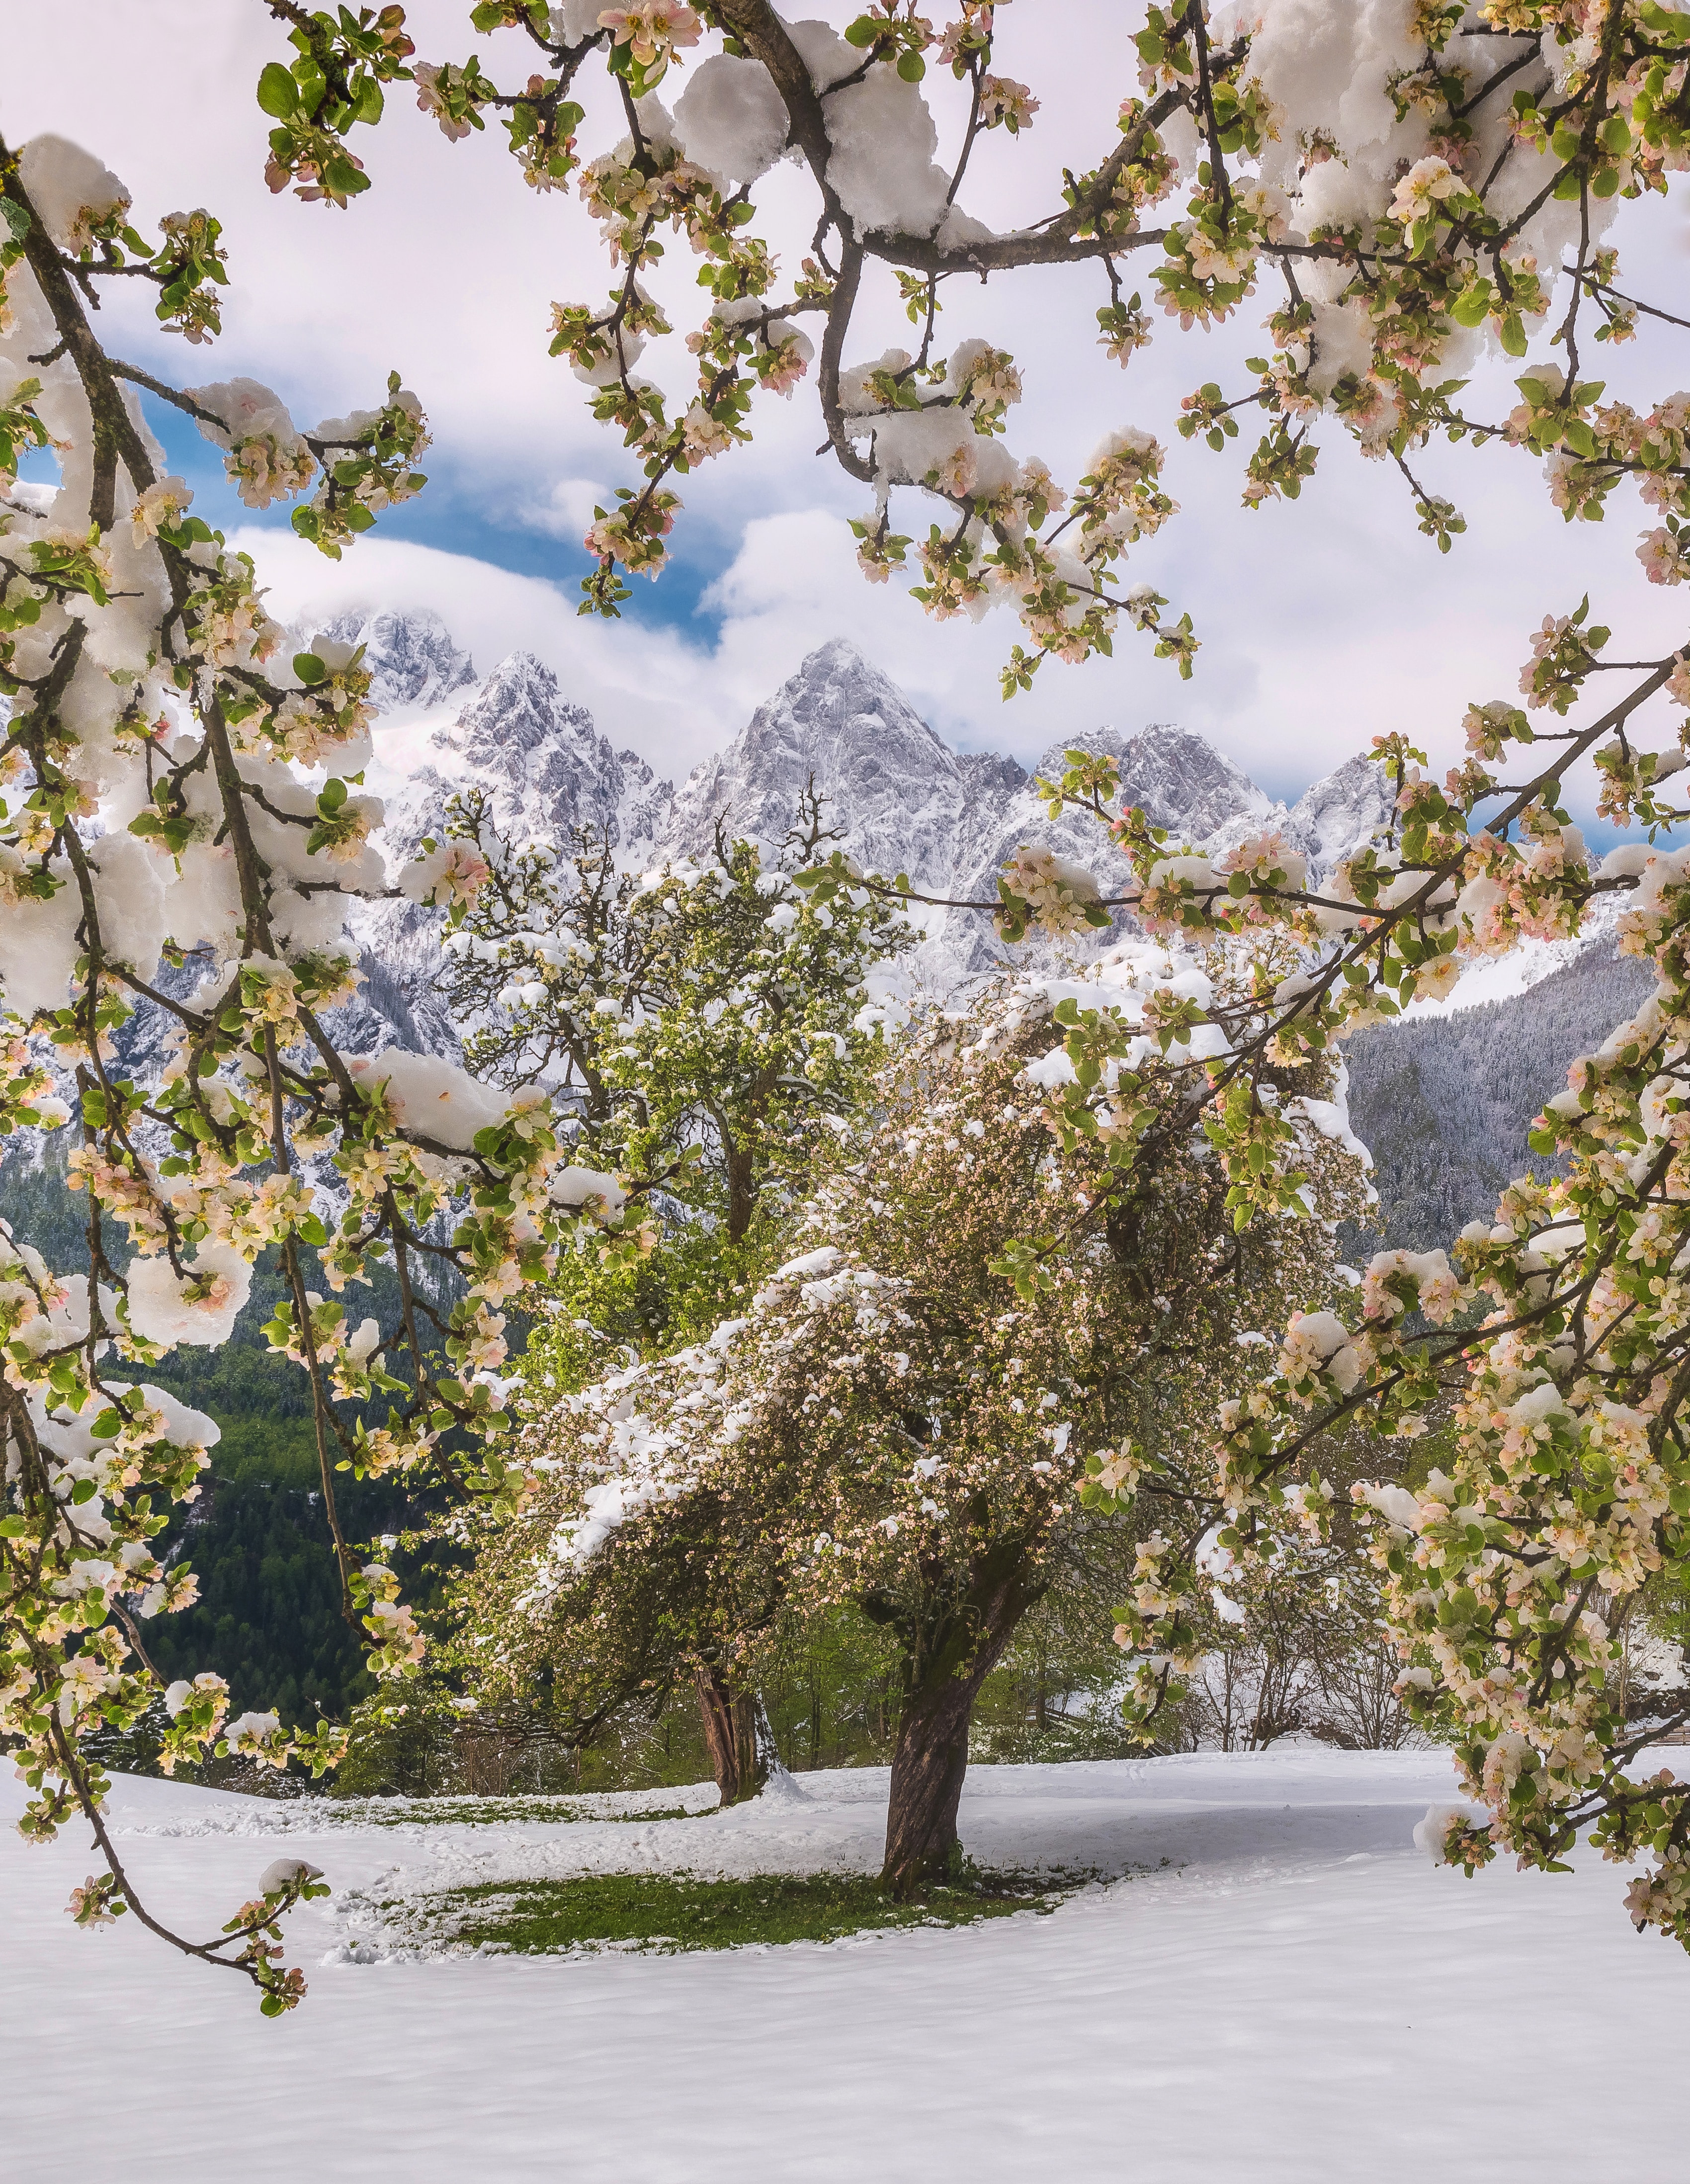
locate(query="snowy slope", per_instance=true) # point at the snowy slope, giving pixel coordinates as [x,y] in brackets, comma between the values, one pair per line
[1283,1992]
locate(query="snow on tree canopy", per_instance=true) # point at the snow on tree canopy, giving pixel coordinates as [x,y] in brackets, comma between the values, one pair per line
[200,1310]
[430,1094]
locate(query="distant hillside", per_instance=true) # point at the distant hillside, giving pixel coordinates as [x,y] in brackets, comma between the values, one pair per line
[1445,1102]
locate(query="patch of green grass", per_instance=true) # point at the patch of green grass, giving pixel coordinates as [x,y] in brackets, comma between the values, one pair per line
[667,1912]
[469,1811]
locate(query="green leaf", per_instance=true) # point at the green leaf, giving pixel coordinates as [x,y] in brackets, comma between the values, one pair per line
[911,67]
[278,93]
[308,668]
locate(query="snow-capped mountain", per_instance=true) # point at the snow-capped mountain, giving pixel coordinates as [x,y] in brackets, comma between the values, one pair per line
[412,658]
[900,798]
[515,736]
[541,760]
[904,801]
[1338,814]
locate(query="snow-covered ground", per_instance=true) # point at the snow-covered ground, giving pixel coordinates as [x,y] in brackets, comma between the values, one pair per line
[1277,1985]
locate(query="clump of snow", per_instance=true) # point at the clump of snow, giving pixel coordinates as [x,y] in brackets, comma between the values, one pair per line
[1330,1117]
[69,188]
[575,21]
[1395,1502]
[129,899]
[431,1096]
[732,118]
[1429,1833]
[245,409]
[304,924]
[164,1309]
[38,947]
[883,139]
[579,1187]
[284,1872]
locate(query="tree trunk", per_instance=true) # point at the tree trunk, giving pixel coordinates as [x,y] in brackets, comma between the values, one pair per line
[737,1735]
[942,1677]
[927,1769]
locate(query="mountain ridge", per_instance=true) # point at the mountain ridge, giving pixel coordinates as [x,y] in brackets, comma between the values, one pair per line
[899,797]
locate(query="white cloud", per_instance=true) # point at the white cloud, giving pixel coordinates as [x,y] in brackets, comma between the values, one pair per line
[647,689]
[566,510]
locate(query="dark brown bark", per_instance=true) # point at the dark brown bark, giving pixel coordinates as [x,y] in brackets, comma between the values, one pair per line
[927,1769]
[955,1652]
[735,1734]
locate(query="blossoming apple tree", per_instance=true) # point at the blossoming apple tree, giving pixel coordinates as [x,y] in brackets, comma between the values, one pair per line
[887,1425]
[708,1027]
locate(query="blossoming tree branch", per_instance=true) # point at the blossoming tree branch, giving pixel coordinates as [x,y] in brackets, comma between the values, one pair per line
[183,833]
[1437,183]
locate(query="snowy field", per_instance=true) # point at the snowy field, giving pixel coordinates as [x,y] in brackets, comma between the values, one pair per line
[1275,1985]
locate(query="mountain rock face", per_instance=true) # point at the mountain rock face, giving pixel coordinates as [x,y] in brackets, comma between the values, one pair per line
[1184,784]
[902,798]
[412,658]
[546,770]
[539,757]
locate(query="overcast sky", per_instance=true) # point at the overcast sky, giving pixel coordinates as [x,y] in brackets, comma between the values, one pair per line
[1323,622]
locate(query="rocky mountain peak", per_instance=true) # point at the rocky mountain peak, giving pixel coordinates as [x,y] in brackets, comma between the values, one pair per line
[1184,784]
[889,781]
[1338,814]
[546,770]
[519,710]
[541,760]
[412,657]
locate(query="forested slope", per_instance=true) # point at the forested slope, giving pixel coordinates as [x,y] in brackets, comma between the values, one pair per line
[1444,1102]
